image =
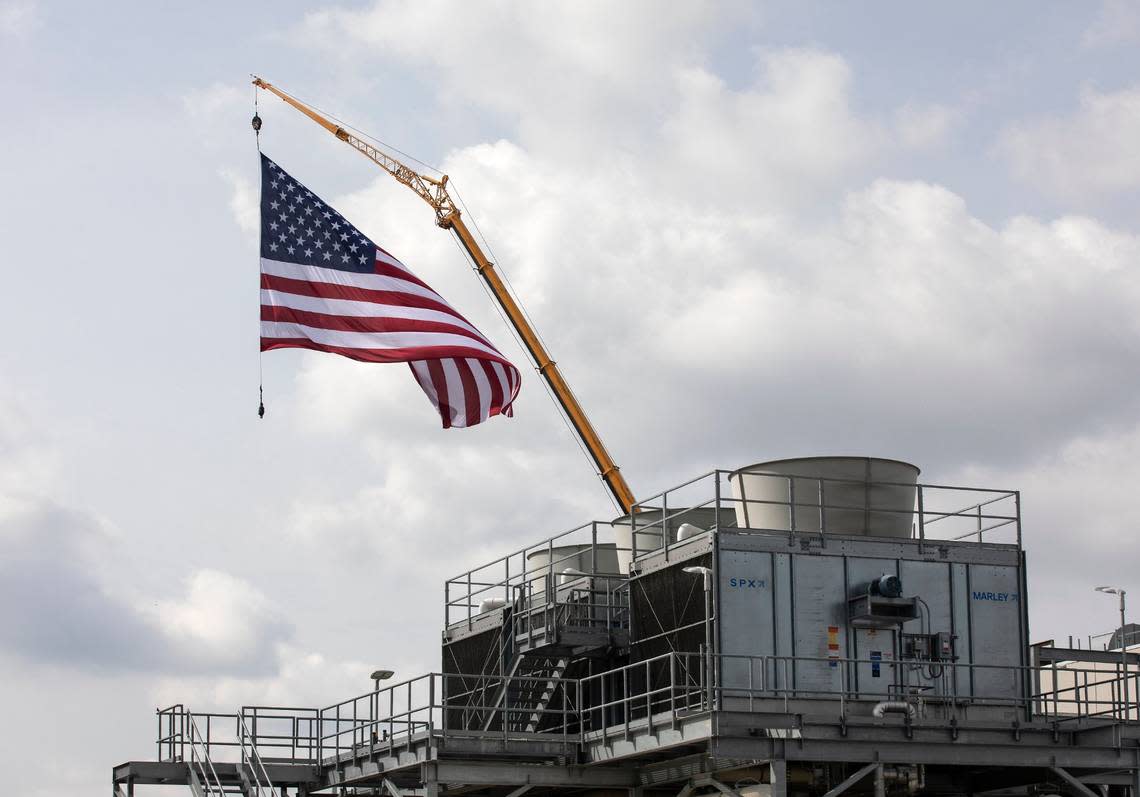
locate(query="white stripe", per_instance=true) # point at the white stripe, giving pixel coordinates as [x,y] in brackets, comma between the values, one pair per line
[391,261]
[369,340]
[354,309]
[424,373]
[483,386]
[349,279]
[455,396]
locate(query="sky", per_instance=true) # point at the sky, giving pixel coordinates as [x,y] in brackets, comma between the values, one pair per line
[747,231]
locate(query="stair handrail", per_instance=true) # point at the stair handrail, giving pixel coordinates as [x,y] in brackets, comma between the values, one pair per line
[213,784]
[252,759]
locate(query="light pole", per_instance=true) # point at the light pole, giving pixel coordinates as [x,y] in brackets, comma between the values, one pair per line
[1123,647]
[700,570]
[380,675]
[377,676]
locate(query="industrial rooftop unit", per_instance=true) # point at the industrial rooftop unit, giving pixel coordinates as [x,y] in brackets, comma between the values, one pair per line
[807,626]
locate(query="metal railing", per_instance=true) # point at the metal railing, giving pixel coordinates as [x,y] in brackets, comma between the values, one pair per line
[661,691]
[533,573]
[785,503]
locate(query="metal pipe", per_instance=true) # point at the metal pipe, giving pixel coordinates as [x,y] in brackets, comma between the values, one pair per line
[893,706]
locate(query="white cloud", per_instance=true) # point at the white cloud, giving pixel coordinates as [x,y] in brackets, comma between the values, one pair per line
[207,103]
[221,623]
[1117,22]
[29,456]
[66,562]
[1088,153]
[19,18]
[924,126]
[562,72]
[789,135]
[244,203]
[304,678]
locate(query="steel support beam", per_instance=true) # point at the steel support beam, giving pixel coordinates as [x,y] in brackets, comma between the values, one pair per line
[852,780]
[391,788]
[521,790]
[1079,787]
[1076,655]
[706,780]
[778,777]
[862,751]
[512,774]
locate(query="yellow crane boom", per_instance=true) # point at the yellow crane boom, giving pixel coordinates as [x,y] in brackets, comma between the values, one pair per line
[434,192]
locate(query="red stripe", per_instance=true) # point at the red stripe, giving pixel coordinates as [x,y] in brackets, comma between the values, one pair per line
[402,355]
[327,290]
[358,324]
[470,393]
[388,270]
[496,388]
[439,380]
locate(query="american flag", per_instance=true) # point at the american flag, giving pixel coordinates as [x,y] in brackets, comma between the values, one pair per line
[325,286]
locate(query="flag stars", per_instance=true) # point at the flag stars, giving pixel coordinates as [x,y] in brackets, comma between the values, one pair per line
[299,227]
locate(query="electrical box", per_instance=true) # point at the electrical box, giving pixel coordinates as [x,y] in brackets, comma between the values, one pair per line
[928,647]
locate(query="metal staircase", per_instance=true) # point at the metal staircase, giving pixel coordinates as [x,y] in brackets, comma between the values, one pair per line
[203,776]
[539,694]
[539,638]
[255,781]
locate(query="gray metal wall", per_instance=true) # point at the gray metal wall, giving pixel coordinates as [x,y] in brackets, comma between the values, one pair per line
[776,599]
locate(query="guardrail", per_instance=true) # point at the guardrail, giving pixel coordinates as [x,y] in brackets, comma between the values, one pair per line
[532,574]
[663,689]
[803,504]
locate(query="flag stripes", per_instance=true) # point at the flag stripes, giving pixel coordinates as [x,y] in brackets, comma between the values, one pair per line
[326,287]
